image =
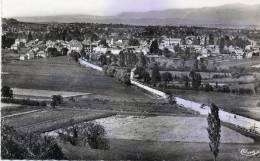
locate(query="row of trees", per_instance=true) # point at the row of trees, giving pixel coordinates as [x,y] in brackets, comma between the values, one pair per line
[227,41]
[121,74]
[166,77]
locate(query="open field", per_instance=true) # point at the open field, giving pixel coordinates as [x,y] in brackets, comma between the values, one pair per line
[17,109]
[45,93]
[9,105]
[155,150]
[159,138]
[59,74]
[47,120]
[9,55]
[245,105]
[165,128]
[101,103]
[247,63]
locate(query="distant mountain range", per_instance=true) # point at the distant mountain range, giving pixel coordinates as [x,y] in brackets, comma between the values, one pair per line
[225,16]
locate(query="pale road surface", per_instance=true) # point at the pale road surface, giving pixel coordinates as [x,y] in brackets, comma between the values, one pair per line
[224,116]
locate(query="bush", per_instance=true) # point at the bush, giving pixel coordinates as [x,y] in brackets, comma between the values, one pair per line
[6,92]
[43,103]
[225,89]
[109,71]
[171,99]
[123,76]
[56,100]
[208,87]
[90,133]
[20,145]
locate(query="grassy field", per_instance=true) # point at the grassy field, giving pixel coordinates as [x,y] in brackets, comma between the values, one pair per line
[9,55]
[245,105]
[165,128]
[247,63]
[45,93]
[101,103]
[156,150]
[59,74]
[48,120]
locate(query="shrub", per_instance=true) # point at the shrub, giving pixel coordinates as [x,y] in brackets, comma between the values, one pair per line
[6,92]
[123,76]
[21,145]
[110,71]
[24,102]
[226,89]
[56,100]
[171,99]
[43,103]
[80,134]
[208,87]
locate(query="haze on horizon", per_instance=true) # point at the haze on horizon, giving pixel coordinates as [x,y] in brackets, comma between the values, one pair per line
[19,8]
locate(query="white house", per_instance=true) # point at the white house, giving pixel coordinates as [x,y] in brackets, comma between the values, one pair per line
[30,55]
[23,57]
[171,42]
[99,49]
[41,54]
[115,51]
[75,45]
[204,52]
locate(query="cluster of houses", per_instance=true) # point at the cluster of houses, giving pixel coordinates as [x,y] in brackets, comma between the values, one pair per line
[39,49]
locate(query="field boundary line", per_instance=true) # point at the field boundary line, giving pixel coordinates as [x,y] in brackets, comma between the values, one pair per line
[21,113]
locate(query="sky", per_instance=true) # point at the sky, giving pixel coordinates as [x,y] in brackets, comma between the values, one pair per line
[15,8]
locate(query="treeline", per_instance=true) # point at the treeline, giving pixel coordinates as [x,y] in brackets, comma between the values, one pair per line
[24,102]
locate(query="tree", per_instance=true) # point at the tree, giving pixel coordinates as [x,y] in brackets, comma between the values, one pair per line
[103,60]
[52,52]
[103,42]
[177,48]
[96,135]
[7,42]
[133,42]
[29,37]
[214,129]
[171,99]
[21,145]
[141,60]
[208,87]
[140,72]
[75,55]
[123,76]
[64,51]
[221,44]
[56,100]
[146,77]
[211,39]
[196,79]
[186,81]
[130,58]
[80,134]
[167,53]
[156,76]
[7,92]
[122,59]
[154,48]
[166,77]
